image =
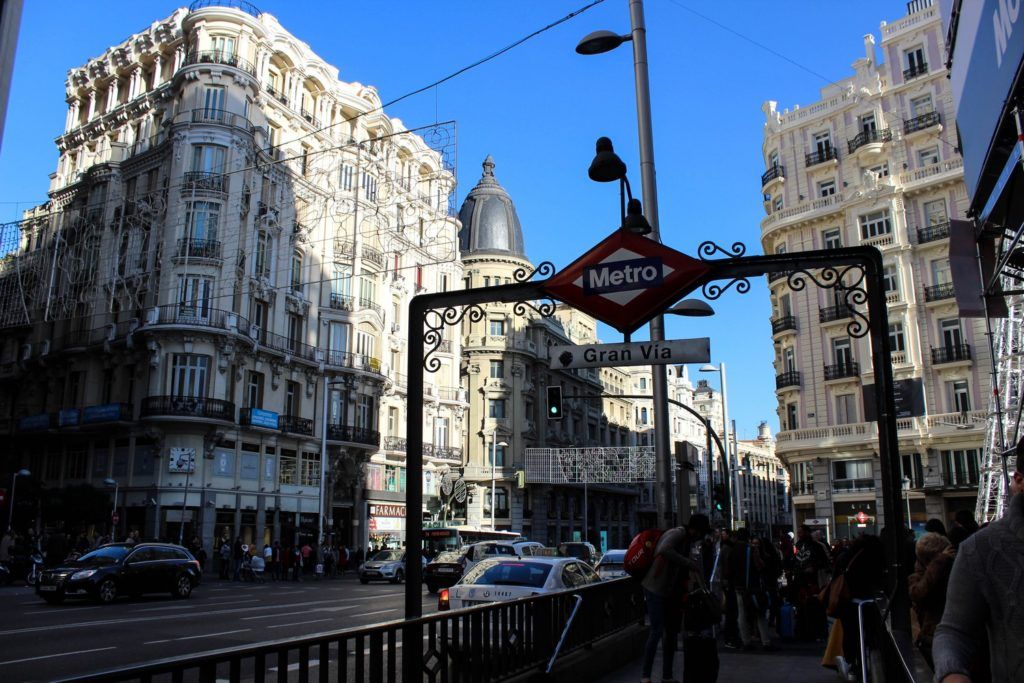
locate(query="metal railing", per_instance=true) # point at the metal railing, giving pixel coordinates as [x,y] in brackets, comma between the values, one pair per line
[448,453]
[865,484]
[921,122]
[190,247]
[487,642]
[939,292]
[356,361]
[840,370]
[867,137]
[394,443]
[827,154]
[188,406]
[787,379]
[371,304]
[783,323]
[204,181]
[341,302]
[293,424]
[221,57]
[915,71]
[932,233]
[309,118]
[448,393]
[276,94]
[246,7]
[830,313]
[777,171]
[221,116]
[279,342]
[336,432]
[951,354]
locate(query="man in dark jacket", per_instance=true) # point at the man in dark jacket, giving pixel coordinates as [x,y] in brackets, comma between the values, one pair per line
[811,560]
[984,595]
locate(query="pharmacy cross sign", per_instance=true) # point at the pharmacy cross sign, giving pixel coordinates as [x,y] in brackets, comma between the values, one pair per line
[626,280]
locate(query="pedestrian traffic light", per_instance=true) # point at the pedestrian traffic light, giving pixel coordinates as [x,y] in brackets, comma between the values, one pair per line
[718,497]
[554,403]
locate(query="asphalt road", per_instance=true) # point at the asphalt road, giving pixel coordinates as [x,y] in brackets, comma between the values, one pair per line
[40,642]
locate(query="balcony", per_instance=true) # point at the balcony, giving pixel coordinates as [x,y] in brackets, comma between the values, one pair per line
[374,256]
[831,313]
[276,94]
[951,354]
[224,57]
[222,117]
[922,122]
[197,315]
[241,5]
[356,361]
[293,424]
[341,302]
[283,344]
[915,71]
[192,248]
[368,437]
[869,137]
[820,157]
[933,233]
[309,118]
[188,406]
[802,488]
[395,443]
[448,453]
[371,304]
[786,322]
[205,182]
[449,393]
[787,379]
[939,292]
[852,485]
[841,370]
[775,172]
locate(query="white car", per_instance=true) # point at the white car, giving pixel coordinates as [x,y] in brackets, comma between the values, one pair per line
[500,580]
[485,550]
[527,548]
[611,565]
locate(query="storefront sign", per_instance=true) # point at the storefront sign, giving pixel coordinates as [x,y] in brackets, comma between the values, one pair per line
[107,412]
[262,418]
[68,417]
[382,510]
[32,423]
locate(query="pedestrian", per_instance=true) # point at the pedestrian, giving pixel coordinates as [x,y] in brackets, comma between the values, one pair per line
[664,586]
[343,558]
[225,558]
[6,545]
[859,575]
[746,571]
[236,559]
[268,559]
[964,526]
[277,558]
[702,611]
[296,563]
[307,558]
[985,597]
[730,629]
[811,561]
[935,526]
[927,587]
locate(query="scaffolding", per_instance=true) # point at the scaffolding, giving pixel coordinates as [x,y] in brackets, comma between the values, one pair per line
[611,465]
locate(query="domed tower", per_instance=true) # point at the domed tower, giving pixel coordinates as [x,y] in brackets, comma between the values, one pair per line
[490,225]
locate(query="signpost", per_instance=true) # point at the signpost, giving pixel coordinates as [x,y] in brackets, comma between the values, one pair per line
[671,352]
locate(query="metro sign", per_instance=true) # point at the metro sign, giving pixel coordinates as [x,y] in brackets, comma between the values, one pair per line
[626,280]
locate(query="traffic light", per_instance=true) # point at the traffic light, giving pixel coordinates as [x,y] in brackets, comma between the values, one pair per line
[718,497]
[554,403]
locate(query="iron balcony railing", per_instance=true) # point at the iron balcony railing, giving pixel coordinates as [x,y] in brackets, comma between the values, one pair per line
[867,137]
[787,379]
[830,313]
[820,157]
[781,324]
[371,304]
[221,116]
[246,7]
[190,247]
[449,393]
[188,406]
[802,488]
[939,292]
[336,432]
[840,370]
[221,57]
[309,118]
[293,424]
[395,443]
[921,122]
[915,71]
[777,171]
[205,181]
[276,94]
[356,361]
[951,354]
[284,344]
[853,484]
[939,231]
[341,302]
[428,450]
[401,379]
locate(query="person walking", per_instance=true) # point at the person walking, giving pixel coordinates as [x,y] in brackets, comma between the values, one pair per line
[236,559]
[746,575]
[268,559]
[225,558]
[986,596]
[927,587]
[296,563]
[811,562]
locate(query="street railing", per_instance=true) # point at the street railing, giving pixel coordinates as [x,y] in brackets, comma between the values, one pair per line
[495,641]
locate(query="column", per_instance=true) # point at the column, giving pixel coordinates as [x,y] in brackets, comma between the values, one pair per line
[158,70]
[179,57]
[135,83]
[93,95]
[261,516]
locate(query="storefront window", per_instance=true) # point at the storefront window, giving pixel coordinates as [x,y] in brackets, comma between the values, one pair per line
[289,467]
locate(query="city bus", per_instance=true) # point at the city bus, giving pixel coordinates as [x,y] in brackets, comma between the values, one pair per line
[437,539]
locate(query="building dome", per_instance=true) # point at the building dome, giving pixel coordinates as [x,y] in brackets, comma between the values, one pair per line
[489,221]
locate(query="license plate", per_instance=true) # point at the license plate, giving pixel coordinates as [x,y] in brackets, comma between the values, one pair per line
[47,588]
[372,573]
[445,570]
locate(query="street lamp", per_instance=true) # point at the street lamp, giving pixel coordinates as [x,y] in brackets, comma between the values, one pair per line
[113,512]
[720,369]
[494,457]
[906,497]
[596,43]
[14,482]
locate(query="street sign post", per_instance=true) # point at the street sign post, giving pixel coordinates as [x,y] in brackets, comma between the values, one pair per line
[671,352]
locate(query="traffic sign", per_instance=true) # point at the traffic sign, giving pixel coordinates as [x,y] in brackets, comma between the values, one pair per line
[671,352]
[626,280]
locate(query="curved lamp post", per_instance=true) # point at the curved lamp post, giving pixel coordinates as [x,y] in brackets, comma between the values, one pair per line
[720,369]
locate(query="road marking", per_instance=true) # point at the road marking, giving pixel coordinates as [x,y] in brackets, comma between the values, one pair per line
[370,614]
[299,623]
[198,606]
[51,610]
[210,635]
[59,654]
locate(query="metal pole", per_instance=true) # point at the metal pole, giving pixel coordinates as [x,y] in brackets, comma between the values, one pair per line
[645,129]
[586,507]
[10,516]
[184,500]
[113,514]
[494,457]
[323,463]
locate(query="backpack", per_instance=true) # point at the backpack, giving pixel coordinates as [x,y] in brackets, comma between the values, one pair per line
[640,555]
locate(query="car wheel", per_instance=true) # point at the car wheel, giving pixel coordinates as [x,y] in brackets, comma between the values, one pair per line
[363,581]
[54,599]
[183,587]
[107,591]
[399,576]
[431,588]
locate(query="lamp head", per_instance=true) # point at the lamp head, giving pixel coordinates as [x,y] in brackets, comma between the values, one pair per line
[635,221]
[708,367]
[503,444]
[23,473]
[600,41]
[110,482]
[692,308]
[606,167]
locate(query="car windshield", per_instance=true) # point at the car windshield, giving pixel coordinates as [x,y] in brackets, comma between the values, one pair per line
[498,549]
[577,550]
[613,558]
[108,555]
[388,556]
[450,556]
[532,574]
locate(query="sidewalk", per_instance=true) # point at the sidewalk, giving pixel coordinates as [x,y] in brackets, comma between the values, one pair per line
[797,662]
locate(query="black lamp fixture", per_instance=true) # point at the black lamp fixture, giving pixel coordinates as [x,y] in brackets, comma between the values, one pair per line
[600,41]
[634,221]
[692,308]
[606,167]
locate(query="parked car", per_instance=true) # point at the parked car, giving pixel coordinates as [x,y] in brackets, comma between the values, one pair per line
[122,569]
[527,548]
[387,565]
[485,550]
[581,550]
[611,565]
[444,570]
[503,579]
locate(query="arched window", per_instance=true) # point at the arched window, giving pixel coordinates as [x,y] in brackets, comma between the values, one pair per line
[296,282]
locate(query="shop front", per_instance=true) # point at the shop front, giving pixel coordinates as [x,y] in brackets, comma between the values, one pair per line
[855,518]
[386,524]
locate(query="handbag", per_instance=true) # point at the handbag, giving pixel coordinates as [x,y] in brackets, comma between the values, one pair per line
[703,609]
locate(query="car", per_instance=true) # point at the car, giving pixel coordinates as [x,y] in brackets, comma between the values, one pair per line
[386,565]
[581,550]
[503,579]
[611,565]
[527,548]
[118,569]
[444,570]
[485,550]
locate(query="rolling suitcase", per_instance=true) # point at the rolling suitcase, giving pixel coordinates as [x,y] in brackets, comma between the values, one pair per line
[787,621]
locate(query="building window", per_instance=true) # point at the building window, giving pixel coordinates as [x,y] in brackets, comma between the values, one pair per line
[896,341]
[846,409]
[875,224]
[890,277]
[773,159]
[792,421]
[928,157]
[496,408]
[959,396]
[208,158]
[392,421]
[304,161]
[952,336]
[643,416]
[852,475]
[911,468]
[867,124]
[826,188]
[920,106]
[262,260]
[915,61]
[496,327]
[369,186]
[224,463]
[337,339]
[497,369]
[367,288]
[842,352]
[960,467]
[823,144]
[224,46]
[309,474]
[201,220]
[881,170]
[643,383]
[254,390]
[499,452]
[345,176]
[501,502]
[935,212]
[295,332]
[777,204]
[441,426]
[365,344]
[832,238]
[194,295]
[341,281]
[297,272]
[365,407]
[292,398]
[189,375]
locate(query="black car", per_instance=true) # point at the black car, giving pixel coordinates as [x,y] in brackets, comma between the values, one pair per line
[122,569]
[444,571]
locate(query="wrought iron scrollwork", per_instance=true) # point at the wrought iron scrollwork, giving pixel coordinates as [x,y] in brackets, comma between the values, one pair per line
[708,249]
[713,290]
[852,290]
[545,309]
[435,320]
[546,269]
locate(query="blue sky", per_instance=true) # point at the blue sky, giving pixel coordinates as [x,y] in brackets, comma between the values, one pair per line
[538,110]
